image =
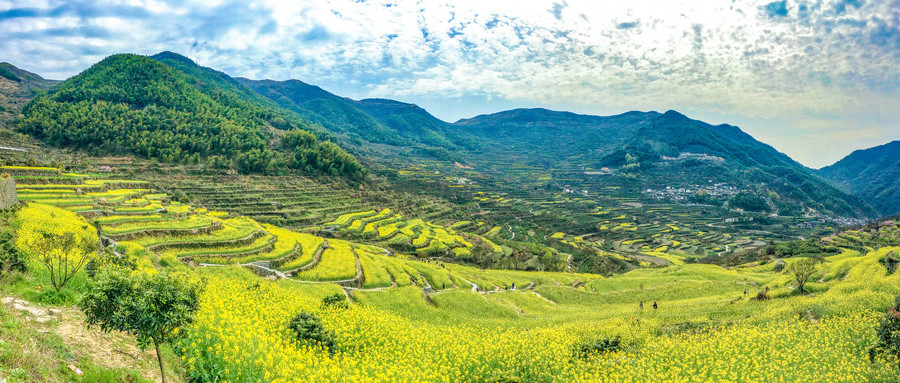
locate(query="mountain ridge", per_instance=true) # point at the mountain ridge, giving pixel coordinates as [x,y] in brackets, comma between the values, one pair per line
[636,145]
[872,173]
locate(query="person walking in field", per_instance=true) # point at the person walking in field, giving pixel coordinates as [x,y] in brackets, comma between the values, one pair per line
[654,305]
[641,305]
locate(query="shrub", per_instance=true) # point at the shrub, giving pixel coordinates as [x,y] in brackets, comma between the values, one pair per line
[888,333]
[599,346]
[335,301]
[180,197]
[308,328]
[10,259]
[780,265]
[891,261]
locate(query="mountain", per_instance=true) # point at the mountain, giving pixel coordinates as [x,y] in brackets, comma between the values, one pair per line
[364,122]
[17,87]
[872,174]
[137,104]
[547,138]
[167,107]
[337,114]
[657,150]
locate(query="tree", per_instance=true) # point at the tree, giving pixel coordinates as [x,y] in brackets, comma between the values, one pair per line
[63,255]
[148,304]
[802,271]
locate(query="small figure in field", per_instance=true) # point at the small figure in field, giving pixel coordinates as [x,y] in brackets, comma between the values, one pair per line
[767,289]
[654,306]
[641,305]
[746,292]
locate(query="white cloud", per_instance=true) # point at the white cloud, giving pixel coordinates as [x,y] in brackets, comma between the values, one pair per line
[801,62]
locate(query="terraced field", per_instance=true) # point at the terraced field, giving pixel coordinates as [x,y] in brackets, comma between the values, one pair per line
[411,319]
[143,221]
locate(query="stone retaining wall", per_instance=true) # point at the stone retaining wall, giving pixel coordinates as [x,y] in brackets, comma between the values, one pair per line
[8,196]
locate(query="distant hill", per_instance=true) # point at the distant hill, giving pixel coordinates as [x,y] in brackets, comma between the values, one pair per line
[656,150]
[339,115]
[169,108]
[872,174]
[185,114]
[17,87]
[364,122]
[547,138]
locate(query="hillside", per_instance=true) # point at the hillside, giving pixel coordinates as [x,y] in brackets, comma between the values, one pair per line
[138,105]
[872,174]
[366,125]
[17,87]
[317,105]
[655,150]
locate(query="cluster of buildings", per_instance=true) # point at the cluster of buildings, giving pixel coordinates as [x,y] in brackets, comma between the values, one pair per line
[572,190]
[832,222]
[720,191]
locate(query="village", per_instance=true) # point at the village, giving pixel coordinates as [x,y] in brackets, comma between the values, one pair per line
[719,191]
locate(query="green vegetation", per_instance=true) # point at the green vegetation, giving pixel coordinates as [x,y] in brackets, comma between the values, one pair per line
[871,174]
[888,333]
[152,307]
[308,328]
[137,104]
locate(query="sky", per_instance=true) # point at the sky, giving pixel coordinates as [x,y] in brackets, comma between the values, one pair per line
[816,79]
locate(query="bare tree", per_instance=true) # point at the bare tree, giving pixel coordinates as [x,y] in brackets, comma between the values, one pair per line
[802,271]
[63,256]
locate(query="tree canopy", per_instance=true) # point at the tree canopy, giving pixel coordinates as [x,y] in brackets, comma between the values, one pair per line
[134,104]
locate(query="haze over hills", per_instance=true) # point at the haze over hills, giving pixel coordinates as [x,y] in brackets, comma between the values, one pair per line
[873,174]
[649,149]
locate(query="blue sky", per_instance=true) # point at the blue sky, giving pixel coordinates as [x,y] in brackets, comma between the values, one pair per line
[815,79]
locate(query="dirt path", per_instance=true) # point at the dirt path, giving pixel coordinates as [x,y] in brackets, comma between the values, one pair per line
[111,350]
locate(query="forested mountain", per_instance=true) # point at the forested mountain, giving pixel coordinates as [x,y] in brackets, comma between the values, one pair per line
[169,108]
[317,105]
[412,123]
[364,122]
[656,149]
[872,174]
[131,103]
[17,87]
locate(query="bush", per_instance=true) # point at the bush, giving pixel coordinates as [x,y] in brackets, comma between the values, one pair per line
[10,259]
[335,301]
[780,265]
[891,261]
[599,346]
[888,333]
[180,197]
[309,329]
